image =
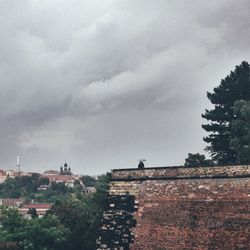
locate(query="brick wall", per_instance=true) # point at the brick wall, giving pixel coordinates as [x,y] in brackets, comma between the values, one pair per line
[187,208]
[193,214]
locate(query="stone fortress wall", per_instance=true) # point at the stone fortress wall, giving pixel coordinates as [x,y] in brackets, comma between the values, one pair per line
[178,208]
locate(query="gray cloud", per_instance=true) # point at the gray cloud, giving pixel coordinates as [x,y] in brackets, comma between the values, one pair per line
[103,83]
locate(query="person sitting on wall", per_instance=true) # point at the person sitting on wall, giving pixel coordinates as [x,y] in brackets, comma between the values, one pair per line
[141,165]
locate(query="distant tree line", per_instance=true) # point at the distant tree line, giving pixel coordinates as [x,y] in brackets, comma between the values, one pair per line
[71,223]
[24,186]
[27,188]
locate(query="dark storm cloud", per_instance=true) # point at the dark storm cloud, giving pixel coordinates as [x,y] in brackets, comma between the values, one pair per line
[103,83]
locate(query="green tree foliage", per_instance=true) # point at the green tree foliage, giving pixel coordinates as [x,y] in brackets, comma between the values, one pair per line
[45,233]
[35,179]
[10,189]
[235,86]
[24,186]
[75,218]
[88,180]
[197,160]
[102,186]
[43,181]
[102,183]
[240,141]
[11,220]
[33,213]
[82,216]
[55,192]
[60,187]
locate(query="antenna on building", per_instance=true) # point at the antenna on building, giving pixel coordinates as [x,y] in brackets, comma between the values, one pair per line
[18,165]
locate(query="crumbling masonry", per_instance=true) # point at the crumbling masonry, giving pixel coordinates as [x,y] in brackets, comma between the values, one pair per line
[178,208]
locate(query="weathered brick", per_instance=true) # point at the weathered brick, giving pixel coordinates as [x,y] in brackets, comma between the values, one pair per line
[182,208]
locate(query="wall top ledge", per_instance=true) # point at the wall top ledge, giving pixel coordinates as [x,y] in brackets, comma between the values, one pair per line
[236,171]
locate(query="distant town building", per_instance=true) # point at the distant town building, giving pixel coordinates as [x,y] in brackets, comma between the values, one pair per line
[51,172]
[63,176]
[11,173]
[65,169]
[41,209]
[89,190]
[19,203]
[26,174]
[10,202]
[67,179]
[2,176]
[44,187]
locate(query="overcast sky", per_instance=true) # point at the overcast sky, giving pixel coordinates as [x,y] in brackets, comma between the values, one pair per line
[103,83]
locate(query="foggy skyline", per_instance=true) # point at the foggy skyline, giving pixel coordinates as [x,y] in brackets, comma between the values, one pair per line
[101,84]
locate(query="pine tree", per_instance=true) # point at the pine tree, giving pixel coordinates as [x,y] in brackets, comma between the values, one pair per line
[234,87]
[197,160]
[241,132]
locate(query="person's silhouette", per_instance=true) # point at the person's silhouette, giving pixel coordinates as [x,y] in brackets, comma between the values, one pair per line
[141,165]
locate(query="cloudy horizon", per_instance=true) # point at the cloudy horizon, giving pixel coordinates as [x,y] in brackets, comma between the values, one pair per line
[101,84]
